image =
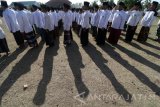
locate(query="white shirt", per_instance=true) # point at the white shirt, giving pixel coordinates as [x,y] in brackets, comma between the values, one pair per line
[60,14]
[135,17]
[119,19]
[53,19]
[23,22]
[47,21]
[85,22]
[73,16]
[10,19]
[103,22]
[55,15]
[148,19]
[29,15]
[67,20]
[97,18]
[111,16]
[93,18]
[79,18]
[2,34]
[38,19]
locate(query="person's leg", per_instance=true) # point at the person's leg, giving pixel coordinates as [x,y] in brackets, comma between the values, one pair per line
[19,39]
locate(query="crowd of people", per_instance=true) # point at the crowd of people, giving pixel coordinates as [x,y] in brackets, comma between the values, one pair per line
[25,24]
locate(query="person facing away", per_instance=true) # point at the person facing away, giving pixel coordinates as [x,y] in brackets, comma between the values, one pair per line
[9,16]
[85,24]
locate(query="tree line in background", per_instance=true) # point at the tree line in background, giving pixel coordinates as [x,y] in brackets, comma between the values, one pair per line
[129,3]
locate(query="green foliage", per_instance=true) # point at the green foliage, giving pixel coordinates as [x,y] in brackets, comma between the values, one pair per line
[130,3]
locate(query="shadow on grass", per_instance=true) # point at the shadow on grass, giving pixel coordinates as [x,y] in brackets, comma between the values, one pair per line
[21,68]
[142,49]
[97,57]
[75,62]
[6,60]
[142,77]
[49,55]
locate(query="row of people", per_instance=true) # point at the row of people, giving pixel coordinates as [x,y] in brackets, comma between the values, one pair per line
[44,21]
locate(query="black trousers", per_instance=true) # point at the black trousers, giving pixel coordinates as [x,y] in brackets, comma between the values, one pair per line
[3,46]
[101,37]
[84,36]
[130,33]
[19,38]
[143,35]
[94,31]
[49,38]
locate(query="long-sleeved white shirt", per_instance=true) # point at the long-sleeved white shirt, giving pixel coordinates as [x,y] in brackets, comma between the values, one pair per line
[53,19]
[104,18]
[67,20]
[38,19]
[135,17]
[97,18]
[79,18]
[93,18]
[119,19]
[55,15]
[111,16]
[47,21]
[85,22]
[148,19]
[10,19]
[23,22]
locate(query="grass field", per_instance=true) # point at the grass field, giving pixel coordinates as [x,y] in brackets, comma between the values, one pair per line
[127,75]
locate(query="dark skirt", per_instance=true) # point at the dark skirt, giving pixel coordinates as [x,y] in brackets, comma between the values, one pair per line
[56,31]
[101,37]
[84,36]
[31,39]
[158,32]
[94,31]
[41,32]
[78,30]
[114,36]
[109,26]
[125,26]
[143,35]
[3,46]
[130,33]
[49,38]
[19,38]
[67,37]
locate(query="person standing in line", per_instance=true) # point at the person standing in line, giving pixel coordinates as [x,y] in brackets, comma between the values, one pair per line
[117,26]
[135,17]
[25,26]
[147,21]
[48,26]
[79,21]
[9,16]
[38,21]
[94,20]
[3,43]
[102,26]
[85,24]
[67,24]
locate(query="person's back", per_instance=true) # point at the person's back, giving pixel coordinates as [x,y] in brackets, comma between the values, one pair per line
[11,20]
